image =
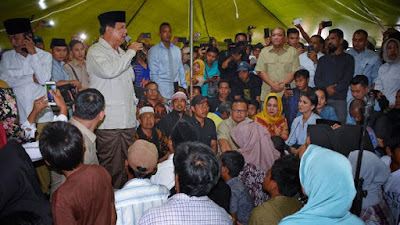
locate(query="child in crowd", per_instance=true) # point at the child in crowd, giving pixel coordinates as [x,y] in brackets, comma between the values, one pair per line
[307,103]
[198,73]
[241,201]
[211,74]
[291,96]
[253,108]
[323,110]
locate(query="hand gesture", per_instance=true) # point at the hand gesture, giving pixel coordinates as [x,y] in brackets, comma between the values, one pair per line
[136,46]
[29,45]
[331,89]
[313,56]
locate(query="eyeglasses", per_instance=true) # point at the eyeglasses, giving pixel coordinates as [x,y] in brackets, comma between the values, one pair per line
[239,110]
[152,90]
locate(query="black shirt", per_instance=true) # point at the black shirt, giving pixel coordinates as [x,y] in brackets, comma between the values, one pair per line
[249,90]
[214,102]
[207,133]
[168,122]
[221,194]
[335,69]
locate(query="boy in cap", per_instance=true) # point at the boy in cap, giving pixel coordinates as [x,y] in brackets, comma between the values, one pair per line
[139,194]
[110,72]
[248,86]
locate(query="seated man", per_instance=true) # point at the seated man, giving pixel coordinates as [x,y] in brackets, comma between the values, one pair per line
[222,113]
[241,201]
[87,196]
[238,114]
[139,194]
[197,170]
[248,86]
[223,95]
[147,131]
[204,125]
[282,183]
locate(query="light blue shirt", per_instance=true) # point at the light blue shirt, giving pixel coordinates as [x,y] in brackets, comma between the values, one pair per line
[349,119]
[298,131]
[136,197]
[366,63]
[58,73]
[160,68]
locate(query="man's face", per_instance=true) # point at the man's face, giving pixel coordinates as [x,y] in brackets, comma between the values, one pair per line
[252,111]
[244,76]
[301,83]
[333,42]
[179,104]
[293,39]
[278,37]
[240,38]
[39,45]
[316,43]
[256,52]
[165,33]
[59,53]
[118,32]
[147,120]
[359,42]
[151,92]
[239,111]
[224,90]
[17,41]
[356,114]
[78,52]
[211,57]
[200,110]
[358,91]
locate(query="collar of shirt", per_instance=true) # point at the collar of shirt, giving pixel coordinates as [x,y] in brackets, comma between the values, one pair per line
[231,181]
[107,45]
[185,197]
[354,52]
[61,64]
[76,63]
[84,130]
[282,50]
[163,46]
[138,182]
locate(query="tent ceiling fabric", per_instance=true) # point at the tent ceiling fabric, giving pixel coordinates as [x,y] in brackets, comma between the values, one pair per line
[212,18]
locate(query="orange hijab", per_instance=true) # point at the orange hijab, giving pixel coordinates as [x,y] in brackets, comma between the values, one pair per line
[264,114]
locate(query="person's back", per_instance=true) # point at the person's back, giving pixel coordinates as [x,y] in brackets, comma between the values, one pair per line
[86,196]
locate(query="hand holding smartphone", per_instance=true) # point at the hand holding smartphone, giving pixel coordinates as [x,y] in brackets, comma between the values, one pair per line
[51,85]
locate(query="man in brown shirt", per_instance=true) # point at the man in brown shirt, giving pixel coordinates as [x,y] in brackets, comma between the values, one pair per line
[87,196]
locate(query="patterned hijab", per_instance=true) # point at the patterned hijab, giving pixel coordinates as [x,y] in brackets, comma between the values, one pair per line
[264,114]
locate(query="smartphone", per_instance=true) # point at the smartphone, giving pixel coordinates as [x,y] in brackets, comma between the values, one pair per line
[287,86]
[297,21]
[211,41]
[311,48]
[182,39]
[229,41]
[215,77]
[326,24]
[146,35]
[51,85]
[266,32]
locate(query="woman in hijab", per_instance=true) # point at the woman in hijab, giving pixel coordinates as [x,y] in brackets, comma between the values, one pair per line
[326,178]
[388,80]
[271,117]
[259,153]
[198,73]
[375,173]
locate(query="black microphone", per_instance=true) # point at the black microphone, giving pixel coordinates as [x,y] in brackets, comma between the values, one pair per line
[370,104]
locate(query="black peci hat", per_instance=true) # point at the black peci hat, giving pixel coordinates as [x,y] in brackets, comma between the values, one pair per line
[111,17]
[17,25]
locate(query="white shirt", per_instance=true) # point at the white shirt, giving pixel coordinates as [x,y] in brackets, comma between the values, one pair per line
[18,71]
[136,197]
[165,173]
[388,81]
[308,64]
[392,190]
[111,73]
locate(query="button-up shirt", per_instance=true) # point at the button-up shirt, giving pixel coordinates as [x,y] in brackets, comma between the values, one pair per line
[308,64]
[188,210]
[298,133]
[278,65]
[224,131]
[388,81]
[18,72]
[81,72]
[136,197]
[111,73]
[366,63]
[160,68]
[58,73]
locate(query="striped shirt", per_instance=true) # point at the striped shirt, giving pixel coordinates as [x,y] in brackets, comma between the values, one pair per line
[184,209]
[136,197]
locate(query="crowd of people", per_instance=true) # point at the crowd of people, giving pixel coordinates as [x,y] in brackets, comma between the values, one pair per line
[253,134]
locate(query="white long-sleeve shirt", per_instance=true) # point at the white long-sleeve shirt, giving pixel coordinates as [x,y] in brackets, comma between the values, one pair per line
[388,81]
[18,71]
[111,73]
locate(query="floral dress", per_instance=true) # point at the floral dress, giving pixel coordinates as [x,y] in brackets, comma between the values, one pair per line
[9,115]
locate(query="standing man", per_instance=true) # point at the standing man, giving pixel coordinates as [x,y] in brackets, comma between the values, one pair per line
[309,59]
[110,72]
[26,69]
[165,63]
[334,73]
[366,62]
[277,64]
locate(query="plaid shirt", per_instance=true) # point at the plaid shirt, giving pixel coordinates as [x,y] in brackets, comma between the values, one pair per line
[184,209]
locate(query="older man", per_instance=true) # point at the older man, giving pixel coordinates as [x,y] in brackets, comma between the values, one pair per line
[277,64]
[25,68]
[238,114]
[110,72]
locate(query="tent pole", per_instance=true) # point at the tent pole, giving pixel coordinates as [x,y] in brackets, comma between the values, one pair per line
[191,48]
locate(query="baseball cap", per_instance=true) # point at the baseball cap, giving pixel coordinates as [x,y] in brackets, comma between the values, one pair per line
[243,65]
[143,156]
